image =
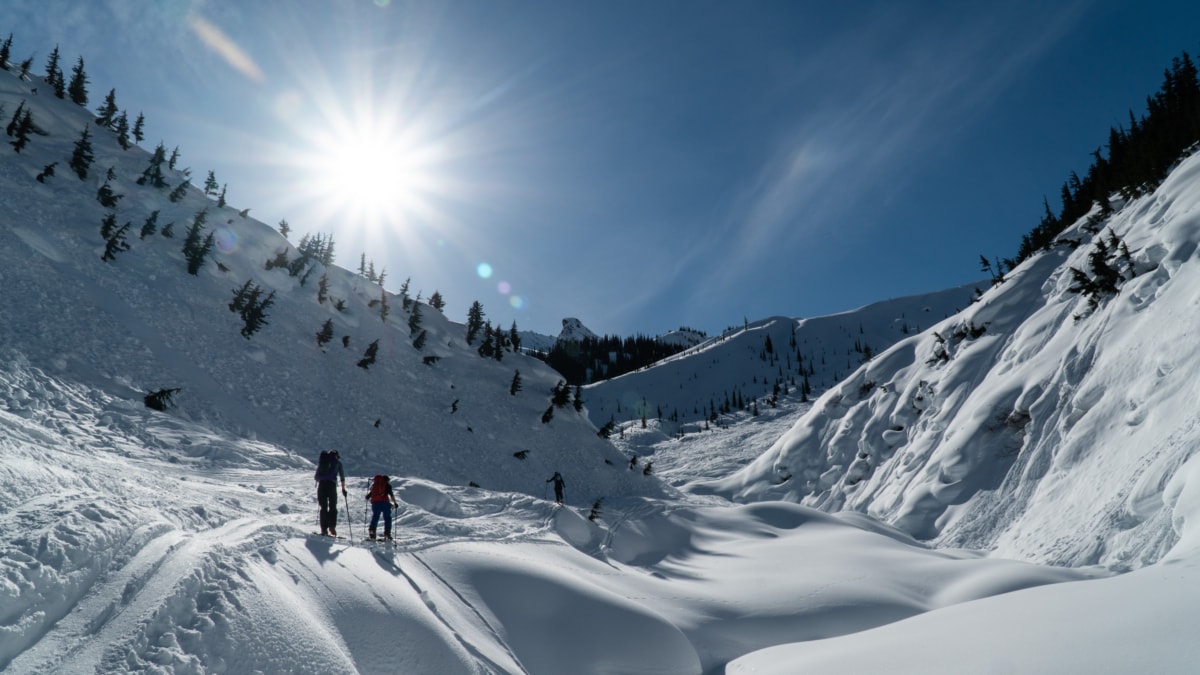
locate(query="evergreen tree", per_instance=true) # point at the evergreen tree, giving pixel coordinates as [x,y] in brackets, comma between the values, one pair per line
[23,70]
[326,333]
[22,133]
[514,338]
[211,185]
[436,301]
[487,348]
[548,415]
[419,343]
[179,192]
[107,112]
[150,226]
[77,89]
[255,314]
[284,228]
[221,197]
[54,74]
[6,52]
[138,127]
[606,430]
[173,159]
[107,198]
[326,256]
[369,356]
[47,171]
[516,383]
[560,395]
[108,225]
[195,249]
[121,126]
[13,123]
[153,173]
[414,319]
[474,321]
[577,401]
[323,289]
[383,305]
[405,301]
[115,243]
[241,296]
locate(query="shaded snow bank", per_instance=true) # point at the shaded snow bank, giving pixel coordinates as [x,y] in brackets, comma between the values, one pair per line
[1029,423]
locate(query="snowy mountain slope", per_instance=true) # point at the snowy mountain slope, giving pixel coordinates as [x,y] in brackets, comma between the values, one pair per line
[124,554]
[1048,436]
[150,325]
[688,386]
[178,542]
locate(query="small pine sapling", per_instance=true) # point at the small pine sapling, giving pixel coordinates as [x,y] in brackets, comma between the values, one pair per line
[323,289]
[115,243]
[82,157]
[255,315]
[179,192]
[24,128]
[368,356]
[47,171]
[151,225]
[325,334]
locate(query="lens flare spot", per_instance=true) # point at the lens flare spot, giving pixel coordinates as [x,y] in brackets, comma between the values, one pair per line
[517,302]
[225,240]
[382,3]
[484,271]
[504,287]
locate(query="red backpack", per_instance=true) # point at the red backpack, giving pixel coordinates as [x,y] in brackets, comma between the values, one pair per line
[379,488]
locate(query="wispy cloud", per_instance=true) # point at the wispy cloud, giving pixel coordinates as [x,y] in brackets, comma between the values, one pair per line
[868,107]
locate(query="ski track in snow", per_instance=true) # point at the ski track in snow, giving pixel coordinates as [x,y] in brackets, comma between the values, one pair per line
[138,541]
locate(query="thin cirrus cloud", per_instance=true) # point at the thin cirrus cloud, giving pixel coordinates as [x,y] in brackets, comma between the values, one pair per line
[861,129]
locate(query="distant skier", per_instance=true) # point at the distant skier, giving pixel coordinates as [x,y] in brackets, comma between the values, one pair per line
[329,470]
[380,494]
[558,486]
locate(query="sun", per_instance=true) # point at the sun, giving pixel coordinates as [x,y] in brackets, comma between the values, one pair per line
[367,172]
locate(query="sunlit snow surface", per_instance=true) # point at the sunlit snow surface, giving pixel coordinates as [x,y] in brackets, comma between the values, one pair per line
[181,542]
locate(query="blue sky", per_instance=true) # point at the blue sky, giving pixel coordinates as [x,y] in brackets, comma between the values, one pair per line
[639,165]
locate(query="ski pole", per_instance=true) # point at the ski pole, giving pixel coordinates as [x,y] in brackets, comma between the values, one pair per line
[349,529]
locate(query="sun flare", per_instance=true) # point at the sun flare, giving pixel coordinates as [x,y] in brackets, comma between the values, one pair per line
[365,169]
[367,174]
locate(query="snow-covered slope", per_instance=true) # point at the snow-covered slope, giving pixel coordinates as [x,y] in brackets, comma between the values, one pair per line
[179,541]
[774,354]
[151,325]
[1030,423]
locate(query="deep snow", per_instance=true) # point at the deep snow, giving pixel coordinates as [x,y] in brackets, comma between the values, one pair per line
[180,541]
